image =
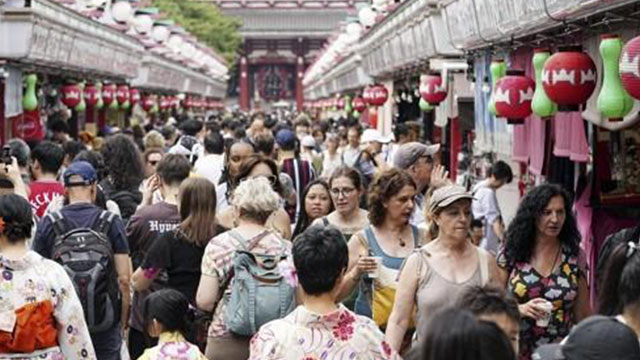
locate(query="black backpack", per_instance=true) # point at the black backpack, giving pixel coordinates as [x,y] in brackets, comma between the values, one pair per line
[87,256]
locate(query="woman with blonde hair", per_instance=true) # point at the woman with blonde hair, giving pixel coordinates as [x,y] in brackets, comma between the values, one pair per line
[253,202]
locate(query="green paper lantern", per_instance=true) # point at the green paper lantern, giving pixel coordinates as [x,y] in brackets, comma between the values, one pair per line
[30,100]
[347,107]
[82,106]
[614,102]
[356,114]
[424,105]
[100,103]
[541,104]
[498,70]
[114,104]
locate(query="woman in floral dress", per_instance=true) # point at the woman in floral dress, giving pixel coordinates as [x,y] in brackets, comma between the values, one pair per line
[541,262]
[321,328]
[40,314]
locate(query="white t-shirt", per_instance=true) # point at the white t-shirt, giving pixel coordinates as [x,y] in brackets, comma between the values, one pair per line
[350,155]
[210,167]
[485,207]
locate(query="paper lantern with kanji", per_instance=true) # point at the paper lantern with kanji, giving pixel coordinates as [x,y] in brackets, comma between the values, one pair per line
[165,103]
[378,95]
[122,94]
[569,78]
[340,104]
[148,102]
[134,96]
[359,105]
[432,88]
[630,67]
[71,96]
[513,96]
[108,94]
[91,95]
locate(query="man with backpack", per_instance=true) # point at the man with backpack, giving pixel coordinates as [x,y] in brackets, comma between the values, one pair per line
[90,243]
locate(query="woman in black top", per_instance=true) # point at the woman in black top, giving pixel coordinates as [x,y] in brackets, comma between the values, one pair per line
[179,253]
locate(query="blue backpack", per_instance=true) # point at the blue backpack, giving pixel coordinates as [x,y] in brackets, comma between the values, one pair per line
[259,293]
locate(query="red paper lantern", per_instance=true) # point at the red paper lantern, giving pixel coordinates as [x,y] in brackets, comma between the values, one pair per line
[359,105]
[340,103]
[122,94]
[71,96]
[378,95]
[164,103]
[147,102]
[432,89]
[513,96]
[108,94]
[134,96]
[630,67]
[28,126]
[91,95]
[366,95]
[569,78]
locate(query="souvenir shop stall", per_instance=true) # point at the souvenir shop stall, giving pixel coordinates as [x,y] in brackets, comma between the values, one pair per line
[556,89]
[395,64]
[102,62]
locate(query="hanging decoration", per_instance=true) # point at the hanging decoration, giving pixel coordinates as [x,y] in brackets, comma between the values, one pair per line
[613,101]
[432,88]
[134,96]
[513,96]
[71,95]
[30,100]
[378,95]
[100,103]
[541,104]
[122,95]
[359,105]
[498,70]
[108,94]
[340,103]
[91,95]
[569,78]
[147,102]
[630,67]
[424,105]
[82,105]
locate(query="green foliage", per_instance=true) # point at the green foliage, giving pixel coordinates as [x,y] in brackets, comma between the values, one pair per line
[204,21]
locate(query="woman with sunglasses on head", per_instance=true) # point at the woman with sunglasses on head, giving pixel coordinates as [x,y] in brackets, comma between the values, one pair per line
[317,203]
[252,167]
[345,187]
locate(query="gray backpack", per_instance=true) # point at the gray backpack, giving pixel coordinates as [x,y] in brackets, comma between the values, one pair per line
[259,293]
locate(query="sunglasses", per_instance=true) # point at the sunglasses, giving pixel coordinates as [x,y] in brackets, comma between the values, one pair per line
[271,178]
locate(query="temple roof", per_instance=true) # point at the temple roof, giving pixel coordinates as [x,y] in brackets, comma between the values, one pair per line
[286,4]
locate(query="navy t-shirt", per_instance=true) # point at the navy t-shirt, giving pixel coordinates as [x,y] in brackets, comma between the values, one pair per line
[80,215]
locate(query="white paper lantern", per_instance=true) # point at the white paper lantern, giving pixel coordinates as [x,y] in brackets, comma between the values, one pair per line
[175,43]
[367,17]
[122,11]
[143,24]
[354,29]
[160,33]
[379,3]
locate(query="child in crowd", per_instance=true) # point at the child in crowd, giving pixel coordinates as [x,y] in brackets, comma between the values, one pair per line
[165,313]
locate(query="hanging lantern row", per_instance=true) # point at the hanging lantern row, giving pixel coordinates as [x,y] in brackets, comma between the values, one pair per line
[566,80]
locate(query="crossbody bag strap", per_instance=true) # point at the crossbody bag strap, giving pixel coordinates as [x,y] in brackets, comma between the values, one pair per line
[483,259]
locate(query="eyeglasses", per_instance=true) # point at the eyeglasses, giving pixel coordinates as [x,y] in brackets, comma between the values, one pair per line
[342,191]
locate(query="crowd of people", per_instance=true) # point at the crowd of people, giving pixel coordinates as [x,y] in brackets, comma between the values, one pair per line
[268,237]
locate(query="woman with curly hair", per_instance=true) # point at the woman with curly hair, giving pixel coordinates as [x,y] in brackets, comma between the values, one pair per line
[125,172]
[377,252]
[437,275]
[252,167]
[542,266]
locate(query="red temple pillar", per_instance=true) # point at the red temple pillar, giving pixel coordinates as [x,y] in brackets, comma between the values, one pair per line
[244,84]
[299,75]
[2,105]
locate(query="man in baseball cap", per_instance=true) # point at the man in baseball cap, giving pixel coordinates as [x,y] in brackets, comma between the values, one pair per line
[596,338]
[417,159]
[80,173]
